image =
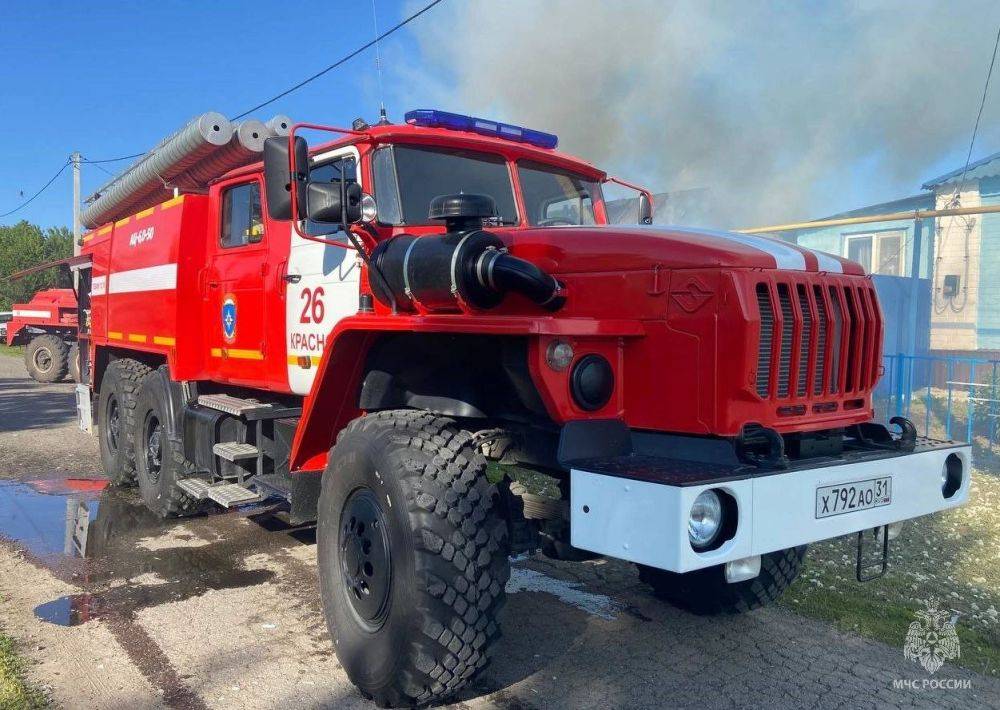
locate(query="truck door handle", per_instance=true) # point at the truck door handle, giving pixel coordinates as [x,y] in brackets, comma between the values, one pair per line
[292,278]
[213,284]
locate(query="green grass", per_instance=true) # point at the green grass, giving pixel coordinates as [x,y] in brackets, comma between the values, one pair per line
[953,558]
[15,694]
[15,351]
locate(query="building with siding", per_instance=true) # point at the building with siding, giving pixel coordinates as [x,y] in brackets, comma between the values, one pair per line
[958,258]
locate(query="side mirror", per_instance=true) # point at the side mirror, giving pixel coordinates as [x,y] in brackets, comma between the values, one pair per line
[278,180]
[334,202]
[645,209]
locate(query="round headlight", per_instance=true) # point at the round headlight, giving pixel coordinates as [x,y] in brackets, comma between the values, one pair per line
[592,382]
[705,520]
[559,355]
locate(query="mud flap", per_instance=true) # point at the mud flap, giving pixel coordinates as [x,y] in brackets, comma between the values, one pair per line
[84,412]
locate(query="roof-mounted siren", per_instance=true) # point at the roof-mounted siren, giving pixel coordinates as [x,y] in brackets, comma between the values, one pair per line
[432,118]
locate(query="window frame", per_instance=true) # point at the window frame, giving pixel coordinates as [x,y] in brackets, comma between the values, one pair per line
[876,238]
[223,197]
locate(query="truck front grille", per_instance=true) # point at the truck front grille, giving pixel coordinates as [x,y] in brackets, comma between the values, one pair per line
[819,336]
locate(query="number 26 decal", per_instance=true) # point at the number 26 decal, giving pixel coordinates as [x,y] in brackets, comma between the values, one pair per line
[313,309]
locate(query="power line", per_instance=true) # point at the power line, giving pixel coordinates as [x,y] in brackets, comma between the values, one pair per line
[340,61]
[261,105]
[986,88]
[44,188]
[113,160]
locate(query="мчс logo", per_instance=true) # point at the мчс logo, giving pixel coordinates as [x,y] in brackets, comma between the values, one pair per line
[932,639]
[229,318]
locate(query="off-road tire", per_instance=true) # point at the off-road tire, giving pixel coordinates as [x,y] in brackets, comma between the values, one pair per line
[120,383]
[73,360]
[447,549]
[158,483]
[706,592]
[50,349]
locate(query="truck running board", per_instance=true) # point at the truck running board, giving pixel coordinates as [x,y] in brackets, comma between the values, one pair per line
[225,494]
[249,409]
[235,451]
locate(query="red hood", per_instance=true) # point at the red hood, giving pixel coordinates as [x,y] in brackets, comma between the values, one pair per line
[564,250]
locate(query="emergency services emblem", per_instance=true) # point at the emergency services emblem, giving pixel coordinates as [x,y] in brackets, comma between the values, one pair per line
[229,318]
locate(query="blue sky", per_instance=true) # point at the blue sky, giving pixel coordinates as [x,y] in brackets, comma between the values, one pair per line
[844,105]
[113,78]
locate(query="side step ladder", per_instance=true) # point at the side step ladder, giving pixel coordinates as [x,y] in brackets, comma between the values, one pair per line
[225,494]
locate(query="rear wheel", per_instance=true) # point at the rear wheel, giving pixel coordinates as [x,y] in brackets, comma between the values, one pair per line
[46,358]
[413,556]
[159,458]
[706,591]
[74,362]
[116,418]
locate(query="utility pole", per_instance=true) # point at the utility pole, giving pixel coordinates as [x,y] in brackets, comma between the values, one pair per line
[75,158]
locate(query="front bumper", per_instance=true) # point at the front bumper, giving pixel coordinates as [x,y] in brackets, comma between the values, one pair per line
[640,513]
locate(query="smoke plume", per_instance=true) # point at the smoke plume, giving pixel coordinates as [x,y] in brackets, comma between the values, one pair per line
[782,110]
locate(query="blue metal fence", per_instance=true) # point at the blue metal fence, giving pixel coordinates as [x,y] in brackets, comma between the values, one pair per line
[945,397]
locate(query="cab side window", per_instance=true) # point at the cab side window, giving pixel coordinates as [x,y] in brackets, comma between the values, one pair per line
[242,222]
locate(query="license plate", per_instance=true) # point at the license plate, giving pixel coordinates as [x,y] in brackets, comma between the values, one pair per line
[849,497]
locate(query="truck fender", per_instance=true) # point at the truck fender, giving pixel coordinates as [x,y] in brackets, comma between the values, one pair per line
[332,402]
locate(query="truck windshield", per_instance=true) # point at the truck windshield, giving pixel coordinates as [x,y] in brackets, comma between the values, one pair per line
[553,196]
[408,177]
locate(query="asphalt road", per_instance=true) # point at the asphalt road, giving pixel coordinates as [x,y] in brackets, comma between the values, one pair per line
[223,611]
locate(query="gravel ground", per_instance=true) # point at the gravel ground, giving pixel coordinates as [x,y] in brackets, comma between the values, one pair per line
[223,612]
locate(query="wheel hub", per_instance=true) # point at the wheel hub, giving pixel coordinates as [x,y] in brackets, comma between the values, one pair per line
[154,436]
[114,424]
[365,563]
[43,359]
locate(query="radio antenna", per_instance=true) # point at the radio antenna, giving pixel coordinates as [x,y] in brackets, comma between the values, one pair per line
[382,119]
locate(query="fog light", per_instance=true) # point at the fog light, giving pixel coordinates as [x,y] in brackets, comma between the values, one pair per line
[951,475]
[559,355]
[705,520]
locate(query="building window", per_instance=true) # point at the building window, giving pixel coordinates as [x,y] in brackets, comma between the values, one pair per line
[241,216]
[879,253]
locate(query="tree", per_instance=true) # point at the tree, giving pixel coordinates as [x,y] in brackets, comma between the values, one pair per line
[24,245]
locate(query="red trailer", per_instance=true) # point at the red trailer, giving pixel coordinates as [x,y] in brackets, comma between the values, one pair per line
[47,328]
[357,329]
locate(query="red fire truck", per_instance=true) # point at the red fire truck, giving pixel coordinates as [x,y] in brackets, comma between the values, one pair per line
[359,328]
[46,327]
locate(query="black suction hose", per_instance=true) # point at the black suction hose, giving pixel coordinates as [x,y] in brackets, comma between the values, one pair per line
[501,272]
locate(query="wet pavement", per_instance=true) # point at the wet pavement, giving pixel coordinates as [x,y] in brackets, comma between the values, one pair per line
[124,557]
[117,608]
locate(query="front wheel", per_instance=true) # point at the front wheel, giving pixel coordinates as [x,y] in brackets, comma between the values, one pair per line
[413,556]
[706,591]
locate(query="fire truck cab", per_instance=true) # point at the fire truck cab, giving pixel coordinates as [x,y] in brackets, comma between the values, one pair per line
[360,328]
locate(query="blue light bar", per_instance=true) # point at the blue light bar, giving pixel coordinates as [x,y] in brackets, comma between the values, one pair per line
[432,118]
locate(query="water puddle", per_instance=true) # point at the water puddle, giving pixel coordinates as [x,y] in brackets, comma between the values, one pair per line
[72,610]
[523,579]
[124,558]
